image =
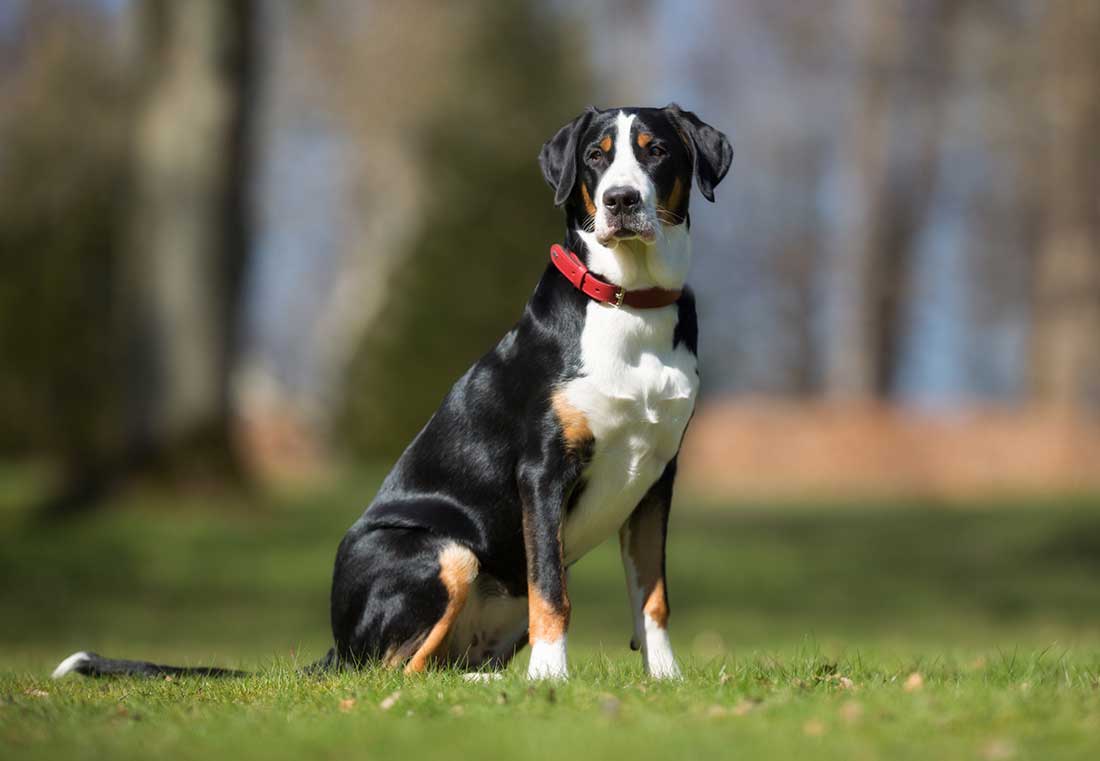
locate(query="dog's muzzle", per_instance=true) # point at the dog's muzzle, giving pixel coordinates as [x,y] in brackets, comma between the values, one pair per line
[624,214]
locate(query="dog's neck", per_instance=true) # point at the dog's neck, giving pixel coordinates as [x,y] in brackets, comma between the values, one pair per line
[636,265]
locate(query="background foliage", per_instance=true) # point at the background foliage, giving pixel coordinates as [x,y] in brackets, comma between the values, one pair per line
[484,211]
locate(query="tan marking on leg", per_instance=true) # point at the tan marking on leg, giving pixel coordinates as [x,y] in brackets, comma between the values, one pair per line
[606,143]
[641,542]
[457,571]
[644,139]
[546,622]
[656,604]
[588,205]
[574,424]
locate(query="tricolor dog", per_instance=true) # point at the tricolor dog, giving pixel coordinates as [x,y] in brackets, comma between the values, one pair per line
[566,432]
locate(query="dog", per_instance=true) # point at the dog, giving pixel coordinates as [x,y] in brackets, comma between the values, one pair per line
[567,431]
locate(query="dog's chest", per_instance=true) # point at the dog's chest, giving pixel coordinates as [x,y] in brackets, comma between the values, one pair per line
[637,392]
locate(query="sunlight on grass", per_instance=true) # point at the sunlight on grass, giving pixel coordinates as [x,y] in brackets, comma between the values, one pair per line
[865,631]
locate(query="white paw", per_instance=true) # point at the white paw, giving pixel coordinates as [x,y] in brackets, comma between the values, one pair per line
[663,667]
[659,660]
[548,660]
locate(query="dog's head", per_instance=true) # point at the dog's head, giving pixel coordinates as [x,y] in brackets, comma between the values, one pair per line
[624,171]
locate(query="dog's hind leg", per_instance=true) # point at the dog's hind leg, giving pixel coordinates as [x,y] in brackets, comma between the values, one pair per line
[396,593]
[457,571]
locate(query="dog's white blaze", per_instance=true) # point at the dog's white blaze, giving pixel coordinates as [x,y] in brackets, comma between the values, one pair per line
[625,171]
[637,393]
[548,660]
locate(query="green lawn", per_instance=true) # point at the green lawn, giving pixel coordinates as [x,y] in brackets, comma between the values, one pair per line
[800,628]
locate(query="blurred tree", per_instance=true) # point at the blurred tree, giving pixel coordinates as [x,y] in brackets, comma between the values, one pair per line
[513,82]
[64,131]
[180,279]
[375,68]
[998,72]
[1066,337]
[124,234]
[901,67]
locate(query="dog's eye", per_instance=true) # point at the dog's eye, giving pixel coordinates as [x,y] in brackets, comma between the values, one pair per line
[595,155]
[657,151]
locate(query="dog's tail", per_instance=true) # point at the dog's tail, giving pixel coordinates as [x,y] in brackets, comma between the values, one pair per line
[91,664]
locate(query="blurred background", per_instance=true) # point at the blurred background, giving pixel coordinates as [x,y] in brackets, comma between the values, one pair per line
[229,296]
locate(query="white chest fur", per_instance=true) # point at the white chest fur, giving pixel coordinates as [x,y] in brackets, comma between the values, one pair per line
[637,393]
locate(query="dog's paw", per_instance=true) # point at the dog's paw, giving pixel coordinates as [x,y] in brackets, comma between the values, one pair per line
[548,660]
[660,663]
[663,667]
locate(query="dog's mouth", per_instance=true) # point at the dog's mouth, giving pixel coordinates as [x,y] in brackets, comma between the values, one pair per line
[635,227]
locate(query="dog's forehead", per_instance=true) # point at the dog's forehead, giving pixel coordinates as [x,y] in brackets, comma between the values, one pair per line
[603,123]
[652,121]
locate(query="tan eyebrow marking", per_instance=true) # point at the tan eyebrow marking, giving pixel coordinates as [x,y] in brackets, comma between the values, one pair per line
[644,139]
[605,144]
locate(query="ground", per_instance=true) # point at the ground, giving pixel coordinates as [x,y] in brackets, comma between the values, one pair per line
[869,630]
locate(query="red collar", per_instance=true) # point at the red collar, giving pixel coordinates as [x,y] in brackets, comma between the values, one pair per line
[584,281]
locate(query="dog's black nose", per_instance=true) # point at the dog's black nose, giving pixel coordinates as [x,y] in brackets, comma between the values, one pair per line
[621,199]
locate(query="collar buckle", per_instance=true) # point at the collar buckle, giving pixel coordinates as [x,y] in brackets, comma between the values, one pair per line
[619,296]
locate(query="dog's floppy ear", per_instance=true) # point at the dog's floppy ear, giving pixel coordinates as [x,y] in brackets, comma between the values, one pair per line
[711,152]
[558,157]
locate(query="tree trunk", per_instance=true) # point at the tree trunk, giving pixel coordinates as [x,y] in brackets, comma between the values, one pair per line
[901,63]
[1066,339]
[181,286]
[850,371]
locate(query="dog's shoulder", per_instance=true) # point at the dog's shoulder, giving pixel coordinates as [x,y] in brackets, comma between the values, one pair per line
[468,451]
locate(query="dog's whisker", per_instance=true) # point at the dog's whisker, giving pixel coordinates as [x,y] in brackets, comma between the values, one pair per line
[669,217]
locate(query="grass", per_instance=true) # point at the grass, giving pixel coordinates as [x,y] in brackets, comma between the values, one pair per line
[800,627]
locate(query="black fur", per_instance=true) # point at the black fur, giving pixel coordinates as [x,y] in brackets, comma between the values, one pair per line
[558,158]
[93,664]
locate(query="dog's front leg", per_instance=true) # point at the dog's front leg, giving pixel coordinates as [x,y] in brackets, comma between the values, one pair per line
[642,543]
[547,596]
